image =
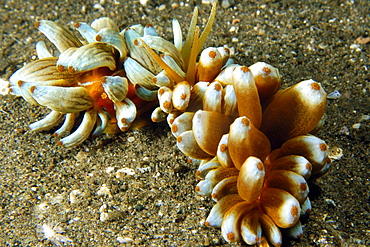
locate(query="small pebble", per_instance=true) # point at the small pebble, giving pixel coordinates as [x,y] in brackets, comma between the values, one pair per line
[124,240]
[124,171]
[144,169]
[356,126]
[144,2]
[365,117]
[322,46]
[109,169]
[355,47]
[104,191]
[330,201]
[73,196]
[344,130]
[98,6]
[139,207]
[162,7]
[334,95]
[363,40]
[4,87]
[226,3]
[335,153]
[233,29]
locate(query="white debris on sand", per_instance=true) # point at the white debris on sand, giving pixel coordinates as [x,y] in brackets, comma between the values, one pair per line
[53,232]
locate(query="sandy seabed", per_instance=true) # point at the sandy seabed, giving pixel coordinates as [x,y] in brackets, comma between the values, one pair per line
[157,205]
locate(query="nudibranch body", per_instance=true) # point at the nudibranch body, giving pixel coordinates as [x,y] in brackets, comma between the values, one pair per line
[255,148]
[109,78]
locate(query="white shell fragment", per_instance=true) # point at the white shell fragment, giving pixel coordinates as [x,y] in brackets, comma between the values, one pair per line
[334,95]
[53,233]
[104,191]
[74,196]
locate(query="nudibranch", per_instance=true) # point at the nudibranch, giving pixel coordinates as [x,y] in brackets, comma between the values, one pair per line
[255,146]
[107,79]
[253,141]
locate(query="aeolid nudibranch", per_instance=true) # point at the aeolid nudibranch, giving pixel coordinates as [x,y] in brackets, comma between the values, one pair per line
[109,77]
